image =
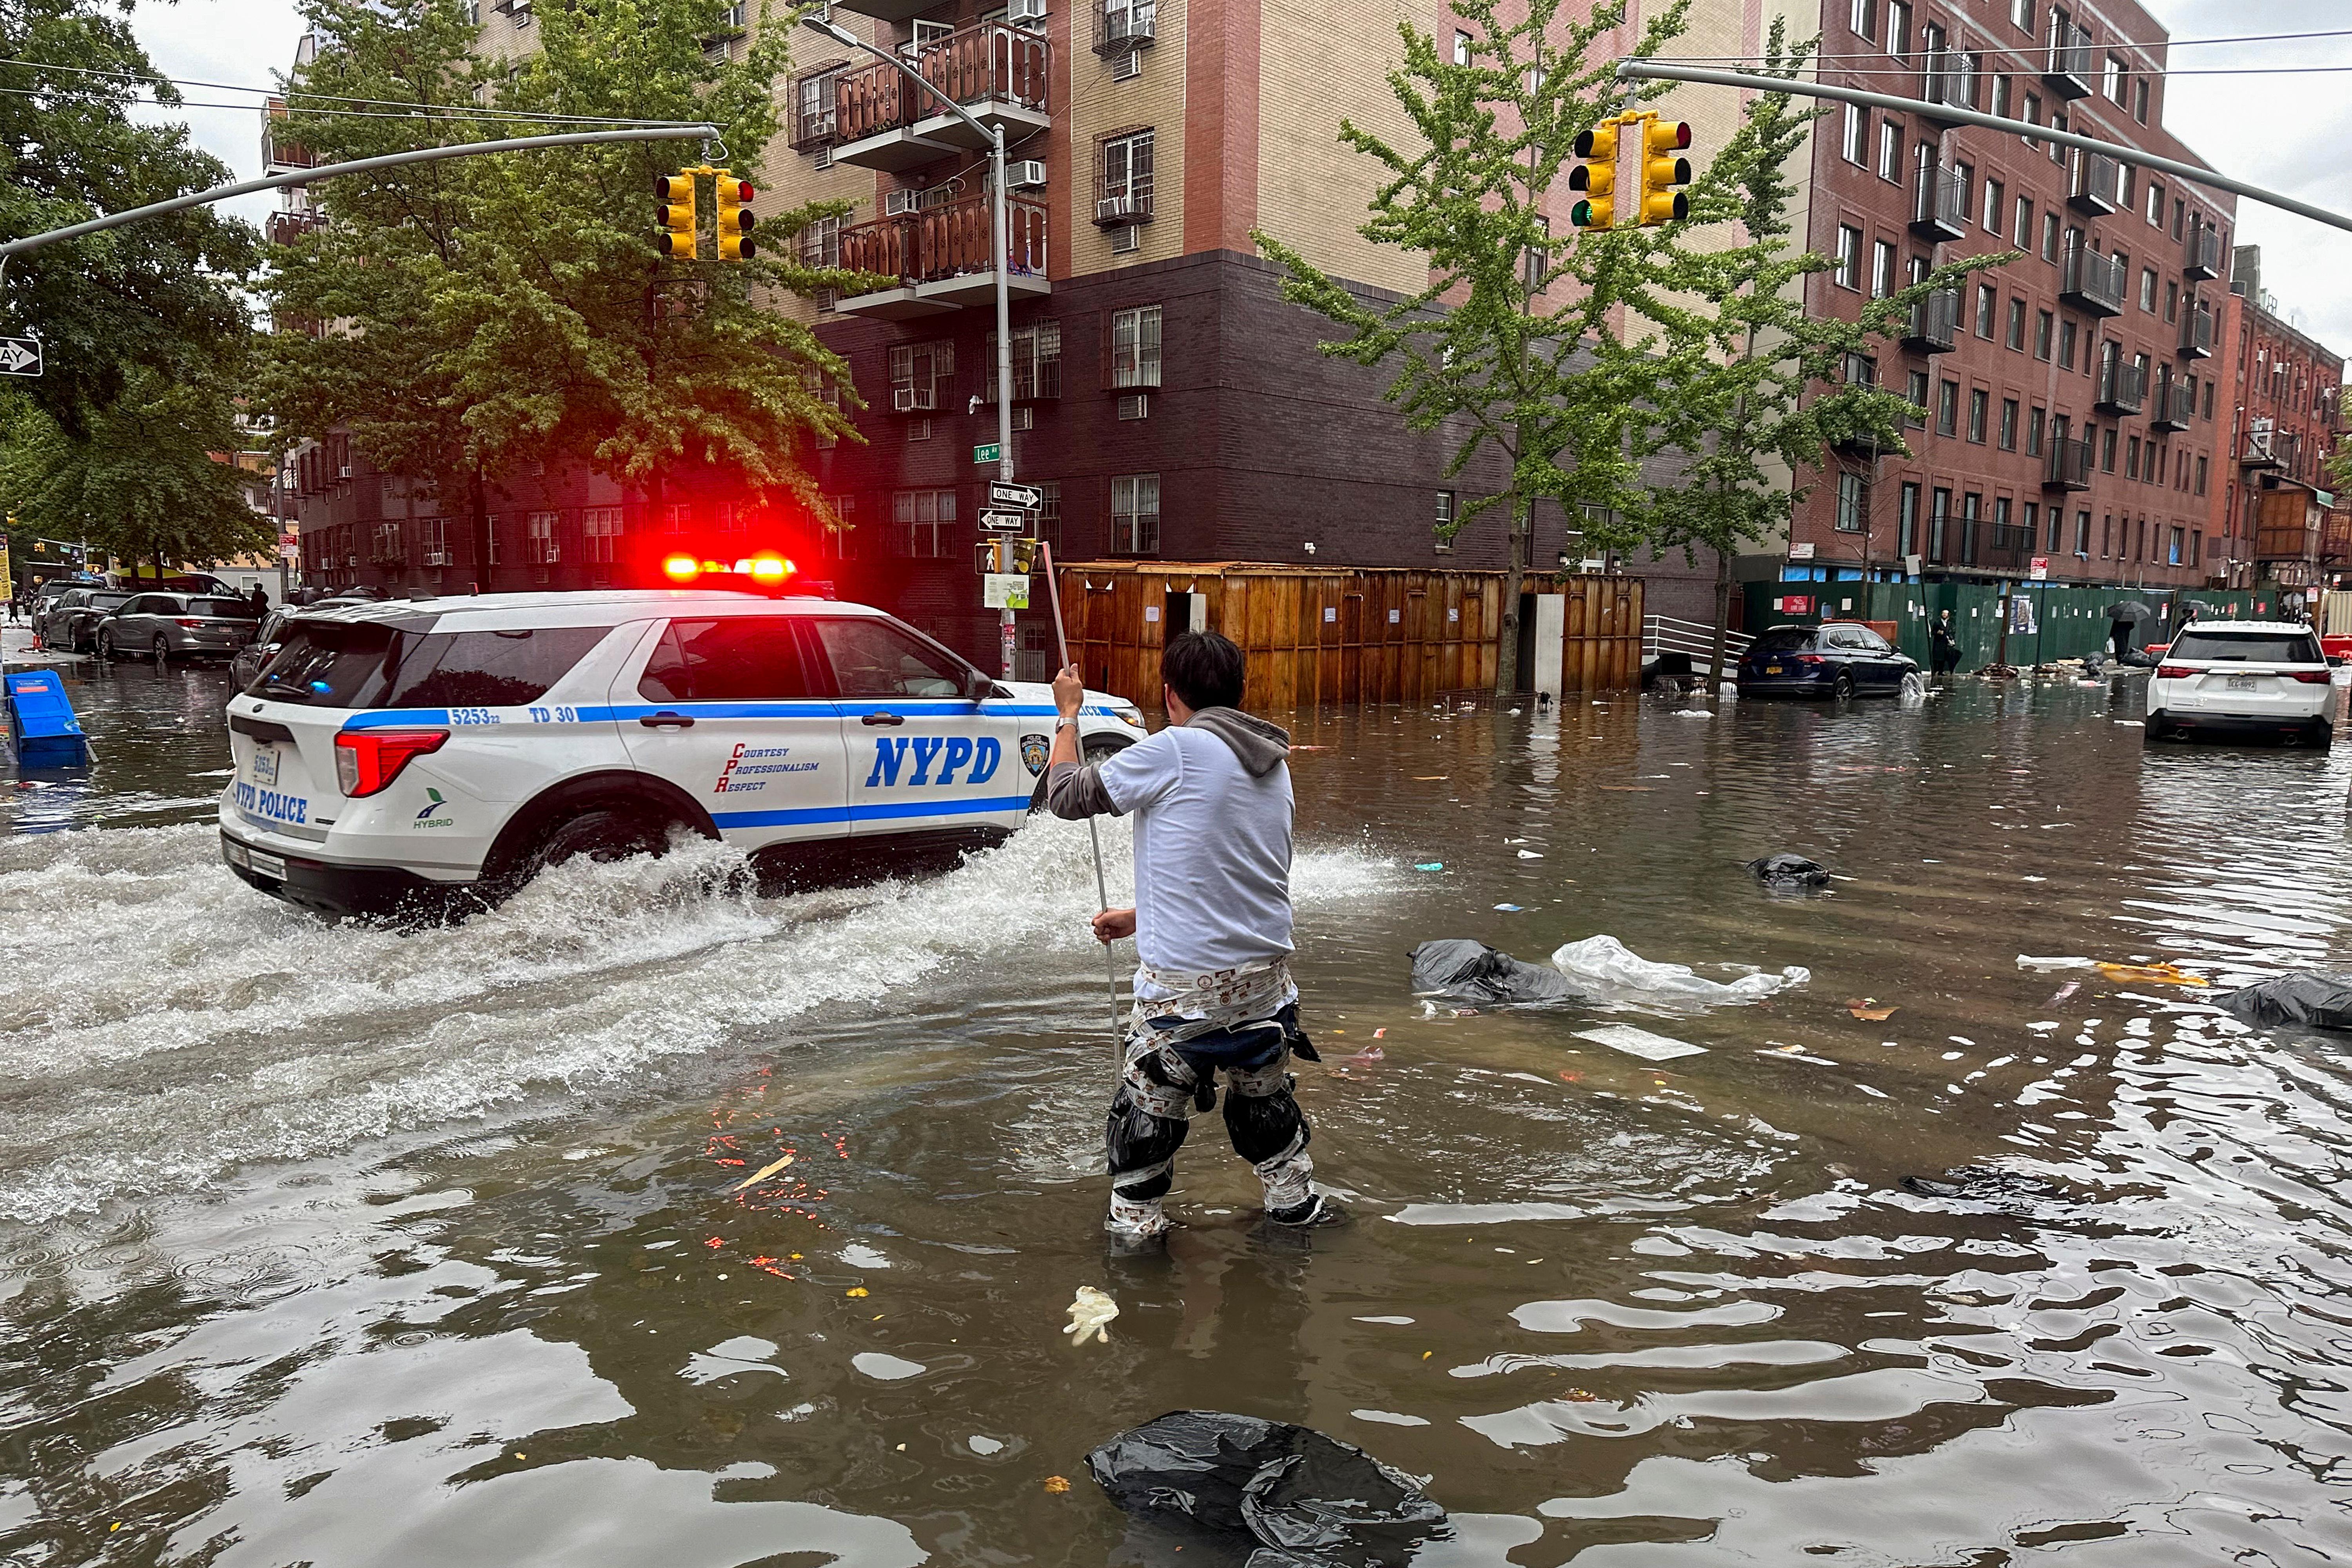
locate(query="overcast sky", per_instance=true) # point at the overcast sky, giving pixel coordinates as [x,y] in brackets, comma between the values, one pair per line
[2285,132]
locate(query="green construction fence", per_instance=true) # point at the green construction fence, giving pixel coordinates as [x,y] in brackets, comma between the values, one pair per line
[2069,622]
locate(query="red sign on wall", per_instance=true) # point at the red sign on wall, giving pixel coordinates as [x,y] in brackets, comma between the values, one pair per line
[1794,604]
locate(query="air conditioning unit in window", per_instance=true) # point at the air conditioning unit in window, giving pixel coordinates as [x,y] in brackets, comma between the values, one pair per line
[1111,209]
[1024,10]
[1026,174]
[1024,417]
[914,399]
[1135,405]
[344,472]
[897,204]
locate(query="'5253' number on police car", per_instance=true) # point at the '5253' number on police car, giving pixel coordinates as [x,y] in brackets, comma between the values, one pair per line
[472,716]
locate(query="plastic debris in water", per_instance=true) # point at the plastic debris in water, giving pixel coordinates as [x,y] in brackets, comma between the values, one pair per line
[1531,854]
[764,1172]
[1431,865]
[1058,1483]
[1863,1007]
[2025,961]
[2153,974]
[2068,990]
[1090,1312]
[1512,908]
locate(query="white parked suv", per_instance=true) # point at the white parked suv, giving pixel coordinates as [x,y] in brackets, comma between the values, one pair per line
[2245,679]
[419,757]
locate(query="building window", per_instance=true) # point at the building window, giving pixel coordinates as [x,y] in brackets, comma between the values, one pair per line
[1890,151]
[924,521]
[2172,550]
[1460,48]
[2107,451]
[2021,15]
[821,242]
[1986,297]
[1864,19]
[2043,323]
[1036,363]
[2032,530]
[2083,534]
[1135,347]
[2009,424]
[1125,186]
[1882,269]
[1444,519]
[2032,116]
[1907,520]
[1996,206]
[2022,230]
[2001,522]
[1940,514]
[919,374]
[919,429]
[1853,503]
[2000,97]
[1979,402]
[1917,393]
[2050,237]
[1049,514]
[2139,100]
[2113,83]
[1135,513]
[2131,458]
[2171,300]
[600,528]
[1848,273]
[1857,135]
[2200,476]
[2154,205]
[2066,345]
[1947,409]
[2016,339]
[2148,290]
[2033,421]
[1898,27]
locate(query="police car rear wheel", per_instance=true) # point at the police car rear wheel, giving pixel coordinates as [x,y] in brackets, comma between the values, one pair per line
[601,835]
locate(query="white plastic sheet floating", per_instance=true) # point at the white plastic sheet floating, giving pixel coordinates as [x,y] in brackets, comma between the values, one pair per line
[1090,1314]
[1640,1042]
[2026,961]
[1605,969]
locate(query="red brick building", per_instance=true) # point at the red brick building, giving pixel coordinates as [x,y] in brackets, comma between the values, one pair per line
[2073,413]
[2273,515]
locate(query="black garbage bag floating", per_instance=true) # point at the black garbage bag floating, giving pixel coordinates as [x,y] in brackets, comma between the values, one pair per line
[1473,972]
[1312,1498]
[1789,871]
[2138,658]
[2312,998]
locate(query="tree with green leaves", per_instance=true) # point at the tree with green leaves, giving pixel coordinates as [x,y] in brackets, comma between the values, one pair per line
[1753,391]
[1492,345]
[461,318]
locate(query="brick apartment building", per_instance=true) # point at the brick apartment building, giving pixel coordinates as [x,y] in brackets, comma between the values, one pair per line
[2276,516]
[2075,410]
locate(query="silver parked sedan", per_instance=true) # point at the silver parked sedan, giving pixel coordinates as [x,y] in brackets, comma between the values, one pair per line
[163,626]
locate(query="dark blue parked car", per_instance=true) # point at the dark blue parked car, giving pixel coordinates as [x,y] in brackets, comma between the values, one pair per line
[1835,659]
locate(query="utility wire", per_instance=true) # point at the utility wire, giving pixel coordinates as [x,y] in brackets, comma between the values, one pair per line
[292,93]
[524,117]
[2019,48]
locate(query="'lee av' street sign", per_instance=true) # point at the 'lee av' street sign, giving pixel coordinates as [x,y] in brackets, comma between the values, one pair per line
[988,451]
[1005,493]
[20,356]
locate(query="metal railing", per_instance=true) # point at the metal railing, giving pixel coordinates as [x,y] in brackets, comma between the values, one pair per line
[2197,334]
[2204,254]
[2071,65]
[992,61]
[1666,634]
[1119,28]
[1940,204]
[2120,388]
[946,242]
[2070,466]
[2097,187]
[2092,281]
[1936,322]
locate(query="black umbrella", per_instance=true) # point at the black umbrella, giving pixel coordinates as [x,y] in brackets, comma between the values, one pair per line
[2129,610]
[2201,610]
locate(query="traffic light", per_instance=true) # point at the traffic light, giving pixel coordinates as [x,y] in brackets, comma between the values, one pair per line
[1596,176]
[676,216]
[1662,170]
[735,225]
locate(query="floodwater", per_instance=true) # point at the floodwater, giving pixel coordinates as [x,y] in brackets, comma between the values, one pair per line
[342,1246]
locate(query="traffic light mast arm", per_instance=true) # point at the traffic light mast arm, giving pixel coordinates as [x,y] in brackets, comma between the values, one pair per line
[360,166]
[1654,70]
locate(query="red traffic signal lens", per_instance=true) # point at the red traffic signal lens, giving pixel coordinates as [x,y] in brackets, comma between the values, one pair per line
[743,191]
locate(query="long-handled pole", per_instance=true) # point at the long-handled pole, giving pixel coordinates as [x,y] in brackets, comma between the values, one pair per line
[1094,833]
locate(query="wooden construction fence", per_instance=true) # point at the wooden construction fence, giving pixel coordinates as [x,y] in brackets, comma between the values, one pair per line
[1339,634]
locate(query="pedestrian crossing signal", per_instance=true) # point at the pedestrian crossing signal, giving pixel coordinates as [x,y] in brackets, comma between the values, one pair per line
[676,215]
[735,225]
[1596,176]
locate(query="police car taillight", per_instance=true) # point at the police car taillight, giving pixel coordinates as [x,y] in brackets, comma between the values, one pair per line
[368,760]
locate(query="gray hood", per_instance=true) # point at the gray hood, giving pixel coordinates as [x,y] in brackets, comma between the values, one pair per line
[1259,745]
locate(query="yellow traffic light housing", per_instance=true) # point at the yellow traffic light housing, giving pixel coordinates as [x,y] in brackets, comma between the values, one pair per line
[735,225]
[1662,170]
[678,237]
[1596,176]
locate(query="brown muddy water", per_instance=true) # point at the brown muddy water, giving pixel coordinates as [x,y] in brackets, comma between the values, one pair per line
[342,1246]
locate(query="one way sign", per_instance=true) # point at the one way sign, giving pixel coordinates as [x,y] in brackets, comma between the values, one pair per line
[20,356]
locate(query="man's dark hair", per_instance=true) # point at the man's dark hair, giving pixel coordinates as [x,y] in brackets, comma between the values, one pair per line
[1202,668]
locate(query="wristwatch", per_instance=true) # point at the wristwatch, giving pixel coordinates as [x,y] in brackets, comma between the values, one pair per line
[1068,721]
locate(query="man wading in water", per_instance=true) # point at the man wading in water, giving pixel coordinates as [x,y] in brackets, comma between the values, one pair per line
[1211,797]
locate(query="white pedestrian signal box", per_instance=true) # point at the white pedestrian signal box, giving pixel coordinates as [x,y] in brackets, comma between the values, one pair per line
[20,356]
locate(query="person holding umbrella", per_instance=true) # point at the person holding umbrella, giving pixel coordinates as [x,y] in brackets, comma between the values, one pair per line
[2123,616]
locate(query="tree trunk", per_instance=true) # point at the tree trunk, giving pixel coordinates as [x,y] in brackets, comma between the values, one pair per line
[1506,657]
[1722,621]
[478,497]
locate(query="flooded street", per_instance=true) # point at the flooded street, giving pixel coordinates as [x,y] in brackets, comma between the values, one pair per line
[345,1245]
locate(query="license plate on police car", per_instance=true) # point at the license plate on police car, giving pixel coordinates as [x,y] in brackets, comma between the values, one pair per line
[264,765]
[2241,682]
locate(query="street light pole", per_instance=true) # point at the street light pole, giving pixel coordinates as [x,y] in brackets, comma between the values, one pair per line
[1000,232]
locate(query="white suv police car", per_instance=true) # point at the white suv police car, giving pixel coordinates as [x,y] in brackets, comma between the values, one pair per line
[418,756]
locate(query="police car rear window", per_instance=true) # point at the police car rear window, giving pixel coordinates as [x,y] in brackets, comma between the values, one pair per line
[366,665]
[2246,647]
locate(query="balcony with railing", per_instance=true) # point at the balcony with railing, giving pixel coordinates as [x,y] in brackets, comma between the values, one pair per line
[2204,260]
[2197,334]
[2267,447]
[2176,404]
[1939,205]
[2120,388]
[2070,465]
[279,155]
[2097,184]
[2071,69]
[1946,78]
[1935,326]
[1125,25]
[2092,282]
[942,259]
[998,73]
[288,225]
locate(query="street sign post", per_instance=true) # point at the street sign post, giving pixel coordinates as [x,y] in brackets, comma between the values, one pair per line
[988,451]
[1028,497]
[1004,522]
[20,356]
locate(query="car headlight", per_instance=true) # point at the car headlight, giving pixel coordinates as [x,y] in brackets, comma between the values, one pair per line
[1127,713]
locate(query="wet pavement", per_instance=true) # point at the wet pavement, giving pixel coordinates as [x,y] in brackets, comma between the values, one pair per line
[345,1245]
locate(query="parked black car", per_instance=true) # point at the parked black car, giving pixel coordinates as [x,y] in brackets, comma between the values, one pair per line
[162,626]
[71,620]
[1835,659]
[246,668]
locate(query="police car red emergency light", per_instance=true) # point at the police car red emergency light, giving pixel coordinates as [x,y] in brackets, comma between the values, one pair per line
[415,757]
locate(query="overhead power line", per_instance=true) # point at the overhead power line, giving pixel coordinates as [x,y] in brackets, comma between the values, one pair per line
[405,106]
[2021,49]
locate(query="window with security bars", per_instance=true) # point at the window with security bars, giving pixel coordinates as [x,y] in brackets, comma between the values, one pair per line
[919,374]
[1036,363]
[432,542]
[544,547]
[600,531]
[821,242]
[1135,513]
[1135,347]
[1049,515]
[925,523]
[835,538]
[1126,187]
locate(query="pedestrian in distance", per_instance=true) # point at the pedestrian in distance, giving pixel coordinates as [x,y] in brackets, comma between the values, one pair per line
[1942,648]
[1212,802]
[260,601]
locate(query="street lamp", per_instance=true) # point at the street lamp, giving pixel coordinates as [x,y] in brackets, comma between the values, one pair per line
[1001,228]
